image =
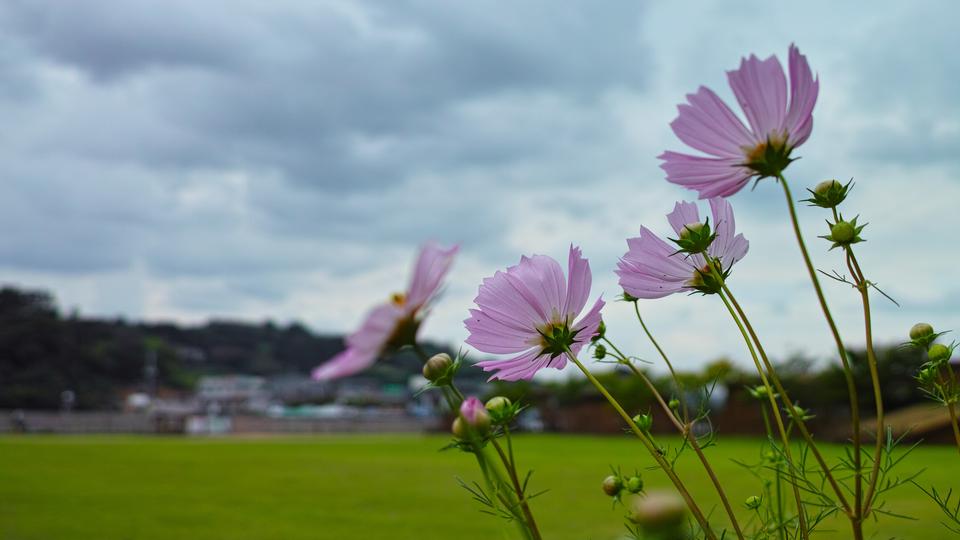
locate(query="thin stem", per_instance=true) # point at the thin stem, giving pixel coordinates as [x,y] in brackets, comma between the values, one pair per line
[782,391]
[645,439]
[801,516]
[842,351]
[508,464]
[863,286]
[953,419]
[685,429]
[673,373]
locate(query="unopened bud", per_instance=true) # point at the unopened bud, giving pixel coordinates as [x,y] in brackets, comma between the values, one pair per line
[828,194]
[644,422]
[437,366]
[843,232]
[498,404]
[674,404]
[920,331]
[758,392]
[475,416]
[459,428]
[752,502]
[612,485]
[634,484]
[824,187]
[691,229]
[599,352]
[939,353]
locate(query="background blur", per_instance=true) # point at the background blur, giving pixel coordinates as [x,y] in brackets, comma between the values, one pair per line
[200,198]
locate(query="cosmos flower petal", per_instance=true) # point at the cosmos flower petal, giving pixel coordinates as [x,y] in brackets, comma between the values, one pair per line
[431,267]
[580,280]
[804,89]
[369,342]
[728,246]
[651,268]
[708,125]
[684,213]
[524,309]
[346,363]
[519,367]
[711,177]
[760,87]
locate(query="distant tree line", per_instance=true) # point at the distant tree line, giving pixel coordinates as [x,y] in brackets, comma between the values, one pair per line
[44,353]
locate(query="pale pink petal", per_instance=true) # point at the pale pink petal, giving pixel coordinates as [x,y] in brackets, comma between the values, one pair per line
[728,246]
[489,335]
[344,364]
[431,267]
[651,268]
[803,96]
[364,345]
[579,282]
[588,326]
[521,367]
[684,213]
[540,281]
[711,177]
[761,90]
[708,125]
[471,409]
[499,298]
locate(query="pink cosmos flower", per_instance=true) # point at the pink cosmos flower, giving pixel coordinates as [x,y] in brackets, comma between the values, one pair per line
[395,323]
[652,268]
[530,310]
[736,153]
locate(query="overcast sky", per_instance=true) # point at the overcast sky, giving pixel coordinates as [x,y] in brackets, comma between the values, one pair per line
[187,160]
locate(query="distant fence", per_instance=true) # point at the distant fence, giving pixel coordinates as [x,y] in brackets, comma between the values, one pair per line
[115,422]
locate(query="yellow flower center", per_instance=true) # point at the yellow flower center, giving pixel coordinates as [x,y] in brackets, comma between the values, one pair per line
[398,299]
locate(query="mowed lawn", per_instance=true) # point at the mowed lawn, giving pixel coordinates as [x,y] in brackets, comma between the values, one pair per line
[342,487]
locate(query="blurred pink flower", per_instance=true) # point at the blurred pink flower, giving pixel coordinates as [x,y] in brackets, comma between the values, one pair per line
[395,323]
[652,268]
[736,153]
[530,309]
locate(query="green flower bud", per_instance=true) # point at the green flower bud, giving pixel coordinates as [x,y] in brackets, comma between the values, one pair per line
[658,513]
[759,392]
[695,237]
[939,353]
[437,367]
[601,331]
[634,484]
[928,376]
[752,502]
[674,404]
[842,232]
[828,194]
[644,422]
[599,352]
[498,405]
[612,485]
[920,331]
[459,428]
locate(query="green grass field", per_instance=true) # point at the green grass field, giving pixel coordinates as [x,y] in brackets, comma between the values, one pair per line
[340,487]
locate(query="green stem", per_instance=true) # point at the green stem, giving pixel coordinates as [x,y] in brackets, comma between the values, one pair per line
[801,516]
[863,287]
[654,452]
[855,516]
[685,429]
[673,373]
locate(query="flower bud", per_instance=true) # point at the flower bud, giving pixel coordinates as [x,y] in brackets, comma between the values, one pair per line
[674,404]
[920,331]
[928,376]
[644,422]
[601,331]
[939,353]
[634,484]
[758,392]
[459,428]
[475,416]
[752,502]
[828,194]
[599,352]
[695,237]
[612,485]
[658,512]
[824,187]
[437,367]
[498,405]
[842,232]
